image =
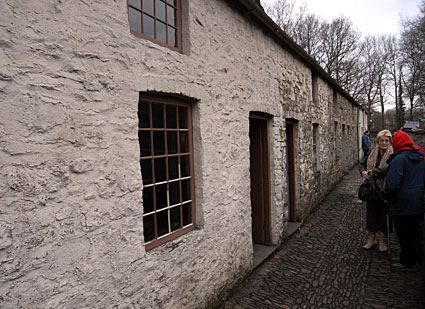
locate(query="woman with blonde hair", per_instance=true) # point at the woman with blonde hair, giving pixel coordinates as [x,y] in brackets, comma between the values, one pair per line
[373,167]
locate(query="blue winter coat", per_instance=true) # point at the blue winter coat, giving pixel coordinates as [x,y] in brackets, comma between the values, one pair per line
[404,185]
[365,142]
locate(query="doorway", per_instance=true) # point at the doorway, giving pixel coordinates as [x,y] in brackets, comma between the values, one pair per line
[290,168]
[260,179]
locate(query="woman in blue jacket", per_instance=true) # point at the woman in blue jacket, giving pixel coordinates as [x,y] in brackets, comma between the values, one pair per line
[404,188]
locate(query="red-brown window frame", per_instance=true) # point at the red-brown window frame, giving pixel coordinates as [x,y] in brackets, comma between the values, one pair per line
[178,28]
[166,100]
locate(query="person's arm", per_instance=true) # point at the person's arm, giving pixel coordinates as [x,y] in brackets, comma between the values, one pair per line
[363,166]
[394,177]
[380,172]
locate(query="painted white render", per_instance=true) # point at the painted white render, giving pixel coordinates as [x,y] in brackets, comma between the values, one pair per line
[71,229]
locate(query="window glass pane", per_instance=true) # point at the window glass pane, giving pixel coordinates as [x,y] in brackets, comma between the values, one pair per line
[146,171]
[182,117]
[148,6]
[172,2]
[184,166]
[159,143]
[148,228]
[157,116]
[171,15]
[173,168]
[161,35]
[135,3]
[145,143]
[147,200]
[160,10]
[175,218]
[174,193]
[184,147]
[185,190]
[135,19]
[187,214]
[162,222]
[148,26]
[143,114]
[171,116]
[171,36]
[160,169]
[172,142]
[161,196]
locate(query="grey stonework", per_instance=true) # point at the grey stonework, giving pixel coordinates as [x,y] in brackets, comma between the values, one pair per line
[71,233]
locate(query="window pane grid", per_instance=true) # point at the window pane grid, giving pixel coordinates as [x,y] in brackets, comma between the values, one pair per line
[168,207]
[171,179]
[156,19]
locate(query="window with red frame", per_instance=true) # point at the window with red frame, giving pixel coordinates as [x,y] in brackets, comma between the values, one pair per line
[166,161]
[156,20]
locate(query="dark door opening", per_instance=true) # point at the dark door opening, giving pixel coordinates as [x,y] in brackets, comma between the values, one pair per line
[290,167]
[260,179]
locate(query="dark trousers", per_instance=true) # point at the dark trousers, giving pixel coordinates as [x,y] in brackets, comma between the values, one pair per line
[407,230]
[376,216]
[365,151]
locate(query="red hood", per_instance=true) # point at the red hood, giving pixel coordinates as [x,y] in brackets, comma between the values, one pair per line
[402,141]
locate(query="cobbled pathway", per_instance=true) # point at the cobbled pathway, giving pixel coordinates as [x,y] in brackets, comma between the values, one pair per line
[323,265]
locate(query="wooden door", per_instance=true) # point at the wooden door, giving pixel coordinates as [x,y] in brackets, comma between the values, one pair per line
[260,179]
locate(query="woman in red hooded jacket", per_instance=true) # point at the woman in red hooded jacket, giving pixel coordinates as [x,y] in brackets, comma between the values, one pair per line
[404,189]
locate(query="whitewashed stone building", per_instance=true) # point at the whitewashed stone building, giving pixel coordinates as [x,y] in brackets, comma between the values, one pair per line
[145,147]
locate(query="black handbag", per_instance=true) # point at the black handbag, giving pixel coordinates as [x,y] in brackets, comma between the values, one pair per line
[371,191]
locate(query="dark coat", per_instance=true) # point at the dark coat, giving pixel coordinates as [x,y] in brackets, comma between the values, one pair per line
[405,182]
[365,142]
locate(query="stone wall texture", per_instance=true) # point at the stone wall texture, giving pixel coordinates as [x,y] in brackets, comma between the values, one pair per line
[71,232]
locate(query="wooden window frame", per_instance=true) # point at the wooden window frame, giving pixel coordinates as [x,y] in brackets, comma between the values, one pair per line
[164,101]
[177,27]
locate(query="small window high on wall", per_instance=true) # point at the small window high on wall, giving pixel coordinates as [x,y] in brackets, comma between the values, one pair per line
[156,20]
[166,161]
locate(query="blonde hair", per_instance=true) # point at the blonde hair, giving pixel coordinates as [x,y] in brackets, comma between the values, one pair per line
[384,133]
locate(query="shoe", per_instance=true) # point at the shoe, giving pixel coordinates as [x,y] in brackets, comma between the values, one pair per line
[371,241]
[369,246]
[403,268]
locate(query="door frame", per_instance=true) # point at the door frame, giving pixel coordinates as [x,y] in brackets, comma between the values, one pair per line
[264,165]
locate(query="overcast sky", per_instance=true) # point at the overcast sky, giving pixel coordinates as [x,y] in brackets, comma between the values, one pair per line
[368,16]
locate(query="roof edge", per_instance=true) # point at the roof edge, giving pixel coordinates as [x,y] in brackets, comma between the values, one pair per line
[257,11]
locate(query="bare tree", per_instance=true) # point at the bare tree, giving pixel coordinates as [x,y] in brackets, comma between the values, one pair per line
[282,12]
[370,59]
[413,59]
[394,71]
[307,33]
[340,42]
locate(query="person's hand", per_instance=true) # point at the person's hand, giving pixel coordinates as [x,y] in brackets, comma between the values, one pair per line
[378,172]
[365,175]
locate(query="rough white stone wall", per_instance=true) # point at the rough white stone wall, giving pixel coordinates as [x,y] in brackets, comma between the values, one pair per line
[71,231]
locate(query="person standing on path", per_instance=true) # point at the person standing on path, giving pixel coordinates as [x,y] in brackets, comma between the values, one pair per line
[365,143]
[374,167]
[405,194]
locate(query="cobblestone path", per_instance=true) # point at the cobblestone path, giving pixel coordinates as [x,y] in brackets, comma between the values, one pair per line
[323,265]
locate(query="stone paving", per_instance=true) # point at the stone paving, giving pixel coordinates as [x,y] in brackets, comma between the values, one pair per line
[323,265]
